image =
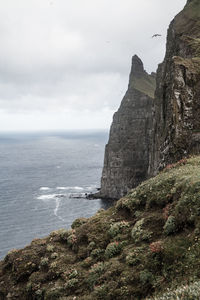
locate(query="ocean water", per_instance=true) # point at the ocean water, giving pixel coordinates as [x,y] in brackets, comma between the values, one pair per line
[43,181]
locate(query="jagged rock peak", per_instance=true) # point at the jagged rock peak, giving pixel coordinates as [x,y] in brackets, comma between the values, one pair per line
[137,68]
[126,157]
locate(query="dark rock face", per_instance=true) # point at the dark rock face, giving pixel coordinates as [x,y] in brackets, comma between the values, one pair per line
[177,98]
[127,152]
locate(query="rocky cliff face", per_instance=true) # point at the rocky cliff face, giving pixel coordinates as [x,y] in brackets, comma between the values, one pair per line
[127,152]
[177,98]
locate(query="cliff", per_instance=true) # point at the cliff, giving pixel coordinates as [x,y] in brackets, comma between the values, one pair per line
[127,152]
[177,106]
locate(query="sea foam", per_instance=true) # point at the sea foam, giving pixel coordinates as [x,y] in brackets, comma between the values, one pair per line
[44,188]
[70,188]
[47,197]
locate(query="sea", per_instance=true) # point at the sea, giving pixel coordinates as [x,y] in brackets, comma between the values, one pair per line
[44,180]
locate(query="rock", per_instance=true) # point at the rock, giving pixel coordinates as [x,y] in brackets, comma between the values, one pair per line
[127,152]
[176,128]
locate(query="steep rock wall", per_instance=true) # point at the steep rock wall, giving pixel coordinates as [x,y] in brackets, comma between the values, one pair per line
[177,98]
[127,152]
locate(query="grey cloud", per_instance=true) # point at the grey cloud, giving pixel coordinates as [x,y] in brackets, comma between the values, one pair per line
[75,55]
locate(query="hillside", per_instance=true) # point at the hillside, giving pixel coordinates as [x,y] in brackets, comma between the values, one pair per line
[148,242]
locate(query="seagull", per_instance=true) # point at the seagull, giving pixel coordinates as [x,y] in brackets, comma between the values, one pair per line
[156,35]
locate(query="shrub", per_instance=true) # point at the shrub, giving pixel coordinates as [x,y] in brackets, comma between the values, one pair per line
[54,255]
[91,245]
[146,277]
[170,225]
[60,235]
[53,294]
[39,294]
[132,260]
[94,274]
[184,292]
[156,247]
[29,287]
[72,238]
[97,253]
[73,274]
[100,291]
[97,268]
[116,228]
[44,262]
[50,248]
[87,262]
[177,164]
[71,284]
[166,211]
[78,222]
[138,233]
[113,249]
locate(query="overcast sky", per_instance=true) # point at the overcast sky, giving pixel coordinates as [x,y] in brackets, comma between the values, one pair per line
[64,64]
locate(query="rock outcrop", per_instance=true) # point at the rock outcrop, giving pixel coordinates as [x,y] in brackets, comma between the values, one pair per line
[177,98]
[127,152]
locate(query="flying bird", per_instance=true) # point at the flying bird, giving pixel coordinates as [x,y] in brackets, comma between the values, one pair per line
[156,35]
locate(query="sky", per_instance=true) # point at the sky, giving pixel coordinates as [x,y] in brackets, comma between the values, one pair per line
[65,64]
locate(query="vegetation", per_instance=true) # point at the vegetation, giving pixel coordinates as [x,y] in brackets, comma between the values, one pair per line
[145,84]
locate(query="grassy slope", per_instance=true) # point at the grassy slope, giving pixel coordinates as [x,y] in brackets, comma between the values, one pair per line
[148,242]
[145,84]
[188,20]
[187,24]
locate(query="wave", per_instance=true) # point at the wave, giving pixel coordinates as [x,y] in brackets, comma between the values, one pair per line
[44,188]
[51,196]
[56,209]
[70,188]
